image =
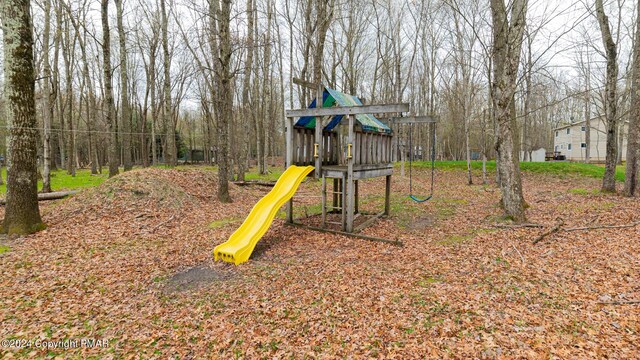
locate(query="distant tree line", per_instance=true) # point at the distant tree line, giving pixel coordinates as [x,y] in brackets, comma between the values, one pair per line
[140,82]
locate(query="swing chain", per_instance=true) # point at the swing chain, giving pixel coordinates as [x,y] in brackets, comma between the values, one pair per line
[433,163]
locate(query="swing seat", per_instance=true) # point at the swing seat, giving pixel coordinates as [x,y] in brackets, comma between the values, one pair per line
[433,165]
[414,198]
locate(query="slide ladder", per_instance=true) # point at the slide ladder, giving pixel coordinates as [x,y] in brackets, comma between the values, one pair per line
[240,245]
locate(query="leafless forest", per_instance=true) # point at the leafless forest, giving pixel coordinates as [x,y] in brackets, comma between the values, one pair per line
[493,255]
[168,61]
[149,82]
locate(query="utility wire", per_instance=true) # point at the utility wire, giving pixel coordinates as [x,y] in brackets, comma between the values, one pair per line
[80,131]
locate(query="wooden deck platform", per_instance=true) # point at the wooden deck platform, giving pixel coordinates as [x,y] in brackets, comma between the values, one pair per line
[360,172]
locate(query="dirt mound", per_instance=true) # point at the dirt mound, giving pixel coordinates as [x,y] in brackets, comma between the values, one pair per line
[142,191]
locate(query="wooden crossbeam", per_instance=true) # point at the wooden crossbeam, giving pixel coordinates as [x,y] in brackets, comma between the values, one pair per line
[349,110]
[414,119]
[368,222]
[305,83]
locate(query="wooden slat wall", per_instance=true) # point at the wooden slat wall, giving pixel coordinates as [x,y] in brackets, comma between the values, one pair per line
[372,148]
[368,148]
[303,147]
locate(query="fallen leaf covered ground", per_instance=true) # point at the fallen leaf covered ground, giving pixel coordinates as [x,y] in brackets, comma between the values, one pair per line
[130,261]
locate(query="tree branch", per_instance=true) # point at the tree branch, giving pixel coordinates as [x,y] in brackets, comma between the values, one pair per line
[558,228]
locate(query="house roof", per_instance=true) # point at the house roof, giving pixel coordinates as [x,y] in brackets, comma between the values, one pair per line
[580,123]
[570,125]
[332,97]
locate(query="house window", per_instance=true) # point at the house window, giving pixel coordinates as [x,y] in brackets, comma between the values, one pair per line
[584,128]
[556,134]
[583,145]
[569,147]
[568,131]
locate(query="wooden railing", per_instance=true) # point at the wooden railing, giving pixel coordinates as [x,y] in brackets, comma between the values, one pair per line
[372,148]
[303,147]
[368,148]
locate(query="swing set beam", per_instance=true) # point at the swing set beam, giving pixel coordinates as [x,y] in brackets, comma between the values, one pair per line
[415,119]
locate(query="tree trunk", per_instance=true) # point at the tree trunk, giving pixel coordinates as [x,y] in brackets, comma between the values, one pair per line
[108,85]
[170,152]
[124,92]
[246,106]
[152,91]
[587,114]
[47,110]
[67,56]
[223,97]
[267,104]
[507,45]
[611,97]
[22,215]
[631,178]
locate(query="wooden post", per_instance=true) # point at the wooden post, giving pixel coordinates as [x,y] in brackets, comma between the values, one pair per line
[350,182]
[387,196]
[324,201]
[357,196]
[289,142]
[335,193]
[343,195]
[289,162]
[318,137]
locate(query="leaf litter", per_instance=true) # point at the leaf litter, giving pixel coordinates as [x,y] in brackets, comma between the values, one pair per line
[131,261]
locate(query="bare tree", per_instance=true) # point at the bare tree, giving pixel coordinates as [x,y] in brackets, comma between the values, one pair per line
[47,110]
[170,150]
[631,179]
[22,215]
[125,109]
[586,69]
[611,98]
[508,31]
[152,41]
[67,113]
[108,86]
[246,86]
[223,96]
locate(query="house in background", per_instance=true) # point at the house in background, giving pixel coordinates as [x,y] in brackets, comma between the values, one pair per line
[570,140]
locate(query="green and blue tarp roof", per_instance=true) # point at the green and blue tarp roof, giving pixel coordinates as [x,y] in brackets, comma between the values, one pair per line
[331,97]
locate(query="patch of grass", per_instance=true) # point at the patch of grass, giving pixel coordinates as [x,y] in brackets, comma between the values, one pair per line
[4,249]
[23,264]
[272,175]
[579,191]
[427,281]
[301,210]
[608,205]
[222,223]
[404,211]
[454,239]
[556,168]
[500,260]
[447,207]
[60,180]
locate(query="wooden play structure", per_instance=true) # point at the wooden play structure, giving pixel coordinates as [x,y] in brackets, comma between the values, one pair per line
[345,143]
[338,151]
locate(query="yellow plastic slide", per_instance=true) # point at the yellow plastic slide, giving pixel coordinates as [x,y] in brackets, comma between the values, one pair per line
[241,243]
